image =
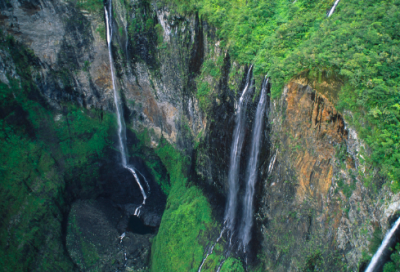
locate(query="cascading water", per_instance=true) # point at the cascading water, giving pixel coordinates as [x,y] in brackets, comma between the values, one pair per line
[251,174]
[236,149]
[211,249]
[121,124]
[375,260]
[237,143]
[333,8]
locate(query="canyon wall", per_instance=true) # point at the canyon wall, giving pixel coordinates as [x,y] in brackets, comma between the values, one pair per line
[179,87]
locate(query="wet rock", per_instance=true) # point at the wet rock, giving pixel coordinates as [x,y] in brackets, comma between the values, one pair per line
[95,244]
[149,217]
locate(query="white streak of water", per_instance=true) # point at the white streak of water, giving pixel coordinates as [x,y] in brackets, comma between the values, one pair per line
[220,265]
[251,174]
[272,163]
[210,251]
[121,124]
[333,8]
[236,149]
[375,259]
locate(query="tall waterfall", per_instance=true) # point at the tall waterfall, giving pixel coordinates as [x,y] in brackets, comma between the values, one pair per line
[251,174]
[233,176]
[121,123]
[333,8]
[236,149]
[375,260]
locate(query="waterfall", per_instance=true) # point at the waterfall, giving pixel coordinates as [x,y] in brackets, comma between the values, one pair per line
[374,262]
[251,174]
[333,8]
[121,124]
[211,249]
[236,149]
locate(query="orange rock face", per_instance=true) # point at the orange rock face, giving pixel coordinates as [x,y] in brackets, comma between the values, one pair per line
[299,211]
[314,127]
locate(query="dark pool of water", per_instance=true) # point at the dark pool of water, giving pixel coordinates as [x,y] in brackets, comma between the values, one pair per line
[136,225]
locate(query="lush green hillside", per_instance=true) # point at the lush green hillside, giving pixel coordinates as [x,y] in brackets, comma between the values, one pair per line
[46,158]
[359,45]
[186,222]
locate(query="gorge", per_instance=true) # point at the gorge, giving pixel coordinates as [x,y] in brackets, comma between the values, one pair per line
[141,135]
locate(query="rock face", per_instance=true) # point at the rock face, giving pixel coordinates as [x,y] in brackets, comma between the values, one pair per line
[155,70]
[69,41]
[314,208]
[95,243]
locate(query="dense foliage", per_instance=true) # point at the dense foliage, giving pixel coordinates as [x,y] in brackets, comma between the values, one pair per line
[42,151]
[359,42]
[186,222]
[186,215]
[394,265]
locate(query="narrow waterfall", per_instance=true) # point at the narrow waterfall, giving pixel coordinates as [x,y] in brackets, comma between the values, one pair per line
[251,174]
[121,123]
[211,249]
[333,8]
[375,260]
[233,176]
[236,149]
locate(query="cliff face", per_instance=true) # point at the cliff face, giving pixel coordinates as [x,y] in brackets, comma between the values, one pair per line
[69,41]
[314,208]
[58,58]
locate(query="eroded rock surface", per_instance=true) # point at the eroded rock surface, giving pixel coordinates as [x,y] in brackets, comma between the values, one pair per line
[315,209]
[97,239]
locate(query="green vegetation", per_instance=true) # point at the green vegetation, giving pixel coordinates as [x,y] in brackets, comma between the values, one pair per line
[232,265]
[186,221]
[90,5]
[376,240]
[101,29]
[151,159]
[394,265]
[88,253]
[186,218]
[142,27]
[359,42]
[160,34]
[42,152]
[210,75]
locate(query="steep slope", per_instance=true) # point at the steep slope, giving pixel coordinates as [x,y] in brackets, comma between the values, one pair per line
[327,186]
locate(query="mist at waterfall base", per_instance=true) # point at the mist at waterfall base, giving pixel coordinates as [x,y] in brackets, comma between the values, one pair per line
[382,255]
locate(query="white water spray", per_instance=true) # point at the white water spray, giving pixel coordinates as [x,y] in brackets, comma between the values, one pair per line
[333,8]
[121,124]
[251,175]
[375,260]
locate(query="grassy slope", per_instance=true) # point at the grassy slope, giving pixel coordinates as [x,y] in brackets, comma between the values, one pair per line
[38,157]
[187,214]
[186,221]
[359,42]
